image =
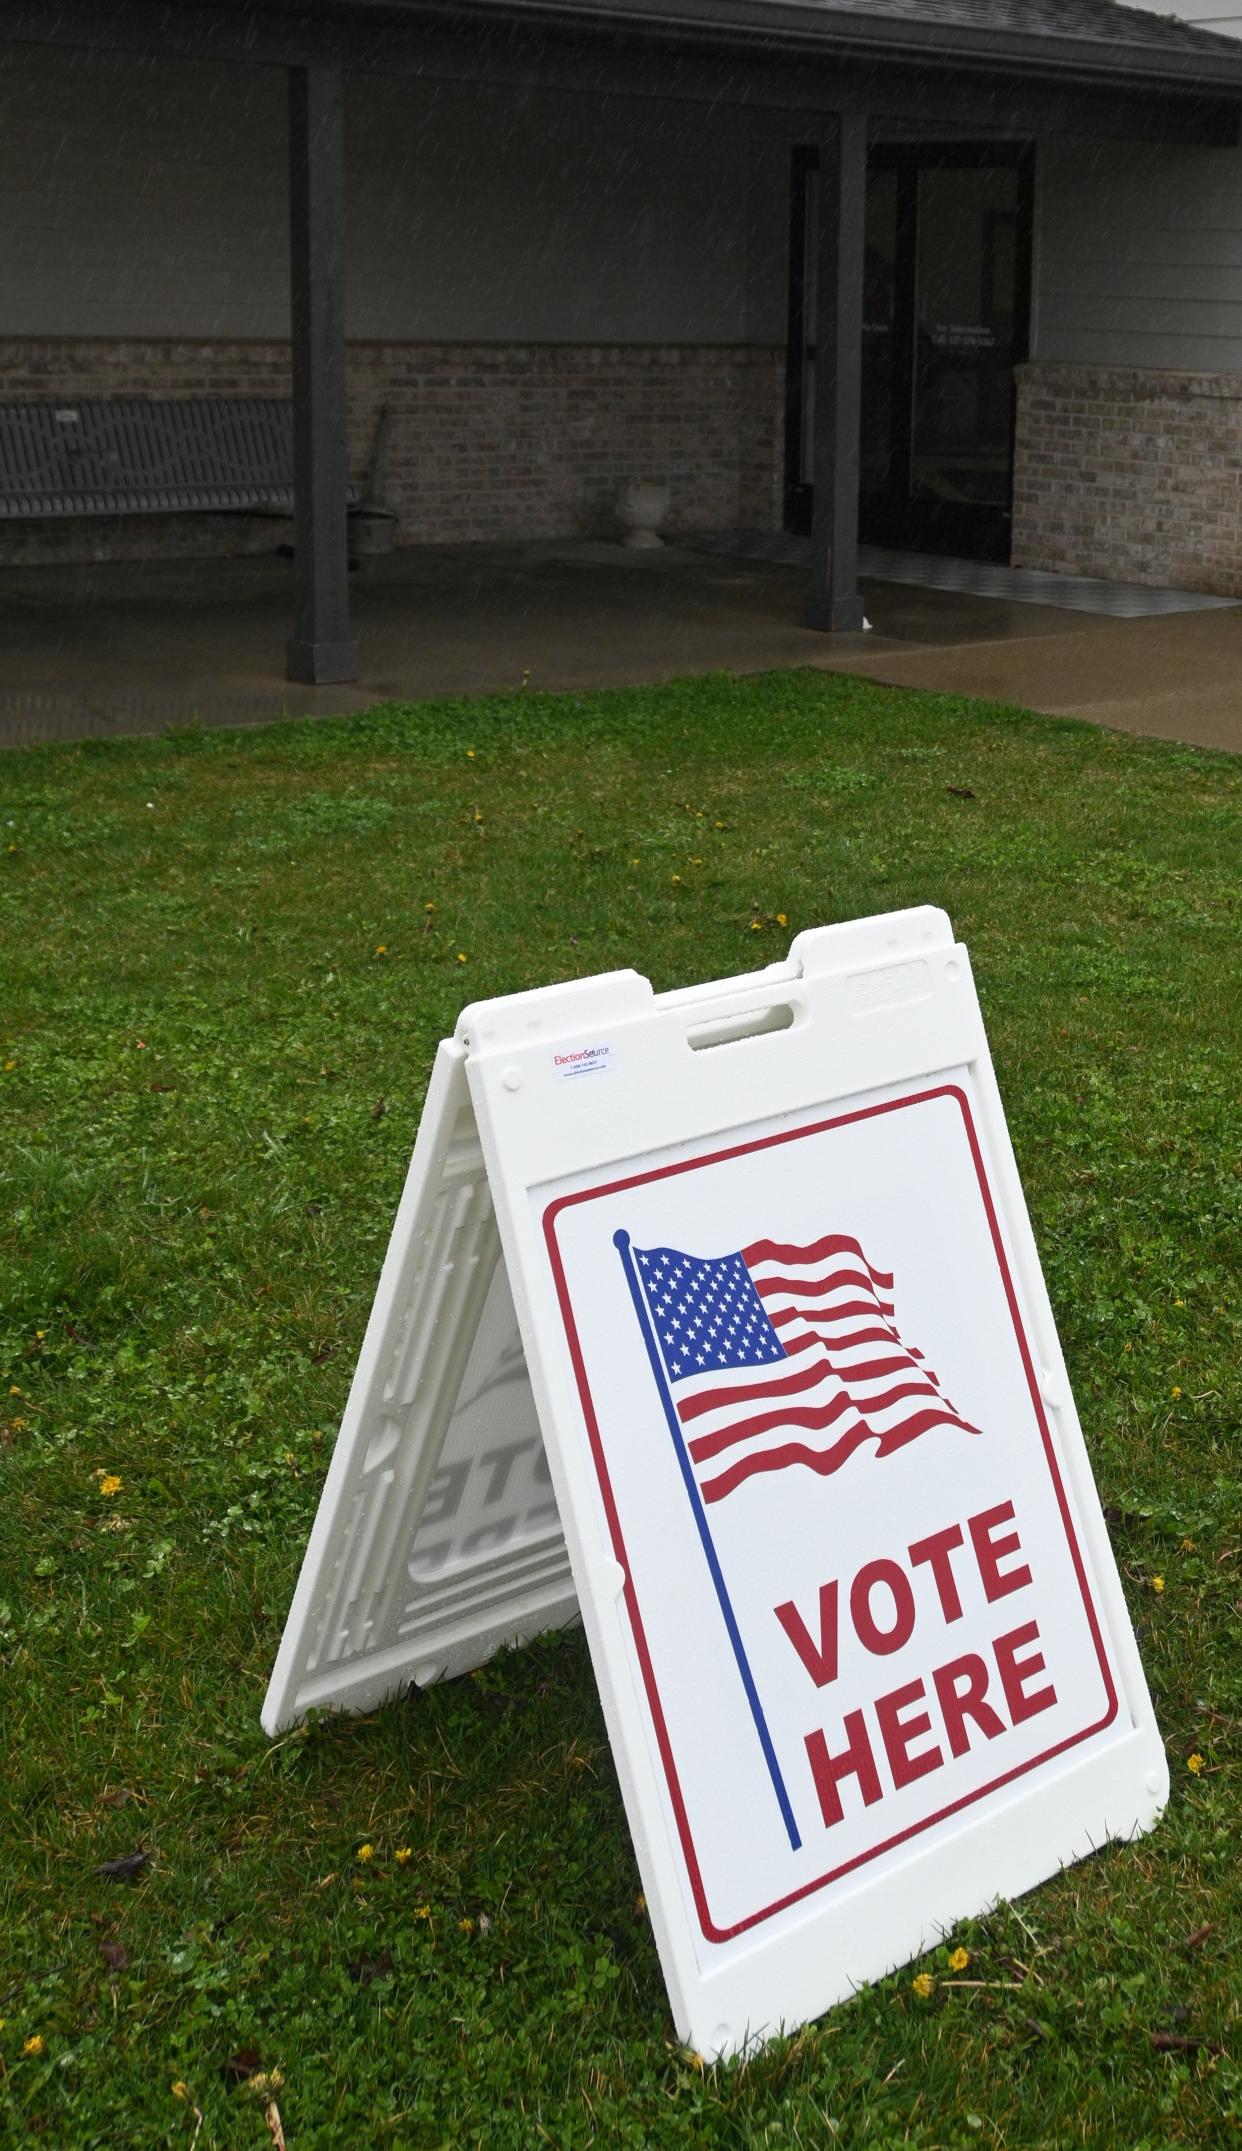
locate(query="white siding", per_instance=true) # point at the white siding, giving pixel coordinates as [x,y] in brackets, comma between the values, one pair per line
[524,216]
[139,198]
[1139,257]
[148,198]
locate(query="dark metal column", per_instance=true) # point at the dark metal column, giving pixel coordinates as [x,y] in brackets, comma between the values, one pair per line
[321,649]
[833,600]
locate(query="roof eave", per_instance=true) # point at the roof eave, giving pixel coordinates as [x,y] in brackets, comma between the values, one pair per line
[798,27]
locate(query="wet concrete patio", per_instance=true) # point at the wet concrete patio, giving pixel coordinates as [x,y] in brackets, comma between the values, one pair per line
[93,652]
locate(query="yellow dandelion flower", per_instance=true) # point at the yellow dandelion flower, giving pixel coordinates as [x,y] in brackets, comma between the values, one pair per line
[109,1484]
[781,919]
[403,1855]
[923,1985]
[1194,1763]
[40,1333]
[33,2046]
[429,907]
[466,1926]
[1176,1389]
[422,1911]
[365,1853]
[470,750]
[676,879]
[1157,1583]
[1179,1303]
[462,956]
[381,948]
[756,926]
[14,1391]
[1187,1546]
[959,1960]
[180,2090]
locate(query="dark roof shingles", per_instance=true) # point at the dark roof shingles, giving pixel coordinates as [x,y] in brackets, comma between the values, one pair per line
[1101,22]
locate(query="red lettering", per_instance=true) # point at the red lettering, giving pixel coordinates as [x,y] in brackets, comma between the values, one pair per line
[990,1551]
[819,1659]
[1016,1673]
[880,1641]
[935,1551]
[856,1760]
[897,1734]
[957,1703]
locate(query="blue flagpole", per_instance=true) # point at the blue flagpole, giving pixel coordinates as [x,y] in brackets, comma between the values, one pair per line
[621,1241]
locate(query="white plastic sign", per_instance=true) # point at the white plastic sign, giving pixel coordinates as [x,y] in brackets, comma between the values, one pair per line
[726,1302]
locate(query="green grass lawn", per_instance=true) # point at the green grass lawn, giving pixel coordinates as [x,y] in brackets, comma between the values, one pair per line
[227,960]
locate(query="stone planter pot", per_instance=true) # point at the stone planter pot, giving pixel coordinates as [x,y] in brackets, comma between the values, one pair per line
[641,508]
[371,531]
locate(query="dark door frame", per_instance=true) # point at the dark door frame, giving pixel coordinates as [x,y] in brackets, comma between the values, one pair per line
[896,519]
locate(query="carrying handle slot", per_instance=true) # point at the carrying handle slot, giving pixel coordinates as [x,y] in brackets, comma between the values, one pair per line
[746,1023]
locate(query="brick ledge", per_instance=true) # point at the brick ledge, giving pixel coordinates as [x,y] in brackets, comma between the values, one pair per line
[1078,378]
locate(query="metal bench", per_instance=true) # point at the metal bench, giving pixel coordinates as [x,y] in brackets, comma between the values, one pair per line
[142,455]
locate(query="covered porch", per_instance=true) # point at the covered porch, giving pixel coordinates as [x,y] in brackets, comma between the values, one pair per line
[735,84]
[131,648]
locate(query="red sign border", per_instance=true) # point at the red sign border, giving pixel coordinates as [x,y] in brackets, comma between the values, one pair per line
[712,1932]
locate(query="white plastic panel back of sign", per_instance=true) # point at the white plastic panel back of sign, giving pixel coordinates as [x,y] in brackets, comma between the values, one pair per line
[437,1537]
[859,1638]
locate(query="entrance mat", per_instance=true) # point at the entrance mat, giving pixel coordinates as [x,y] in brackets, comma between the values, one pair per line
[976,578]
[1033,586]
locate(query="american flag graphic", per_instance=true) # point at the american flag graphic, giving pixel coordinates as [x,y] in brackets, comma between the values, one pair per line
[781,1355]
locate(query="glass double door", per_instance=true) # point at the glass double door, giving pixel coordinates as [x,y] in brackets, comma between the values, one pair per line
[946,309]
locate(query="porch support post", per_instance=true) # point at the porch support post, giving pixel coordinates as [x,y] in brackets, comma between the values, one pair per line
[321,649]
[833,600]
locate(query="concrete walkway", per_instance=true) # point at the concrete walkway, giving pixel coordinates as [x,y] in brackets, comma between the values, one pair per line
[1178,678]
[98,651]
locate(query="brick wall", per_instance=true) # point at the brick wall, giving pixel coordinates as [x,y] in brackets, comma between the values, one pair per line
[487,441]
[761,473]
[1131,474]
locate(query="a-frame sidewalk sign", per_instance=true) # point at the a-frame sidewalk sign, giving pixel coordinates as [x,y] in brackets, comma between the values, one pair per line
[716,1317]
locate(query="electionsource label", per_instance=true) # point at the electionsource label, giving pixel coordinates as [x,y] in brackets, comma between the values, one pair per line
[582,1061]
